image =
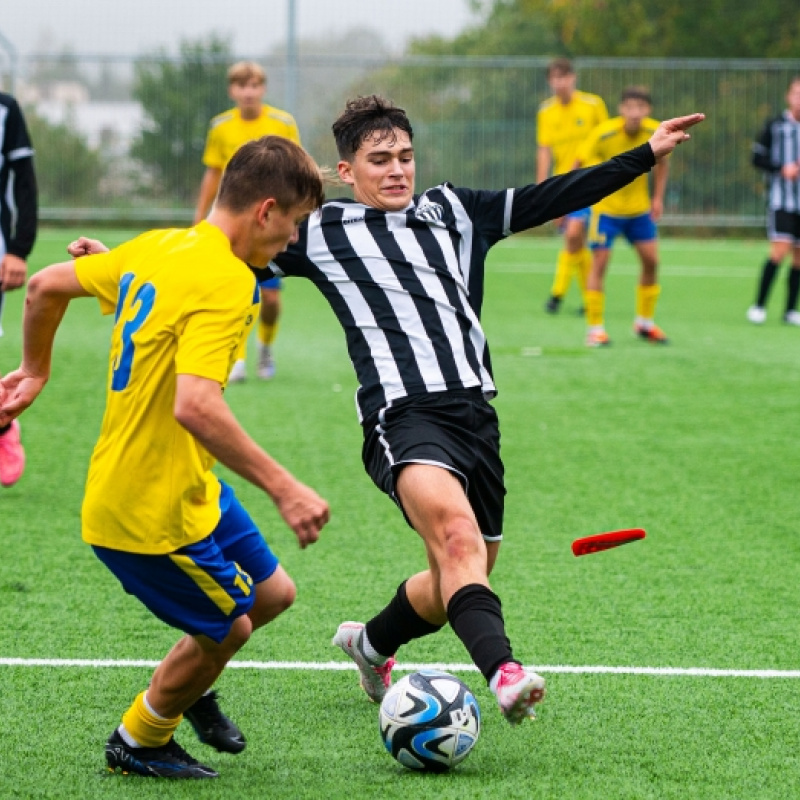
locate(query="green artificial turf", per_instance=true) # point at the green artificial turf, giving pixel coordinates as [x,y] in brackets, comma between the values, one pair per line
[695,442]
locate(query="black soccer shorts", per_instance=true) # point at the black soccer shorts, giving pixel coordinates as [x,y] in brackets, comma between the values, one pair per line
[456,430]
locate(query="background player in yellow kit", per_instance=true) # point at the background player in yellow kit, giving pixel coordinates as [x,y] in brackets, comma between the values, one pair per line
[629,212]
[562,124]
[251,118]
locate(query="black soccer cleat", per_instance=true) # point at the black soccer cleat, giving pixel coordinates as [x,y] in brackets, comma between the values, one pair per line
[213,727]
[168,761]
[552,305]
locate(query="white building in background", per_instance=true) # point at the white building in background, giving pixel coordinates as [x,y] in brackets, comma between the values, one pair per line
[108,125]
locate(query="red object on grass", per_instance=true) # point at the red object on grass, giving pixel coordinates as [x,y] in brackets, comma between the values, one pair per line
[605,541]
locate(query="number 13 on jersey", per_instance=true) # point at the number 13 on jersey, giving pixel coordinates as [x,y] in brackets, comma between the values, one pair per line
[141,306]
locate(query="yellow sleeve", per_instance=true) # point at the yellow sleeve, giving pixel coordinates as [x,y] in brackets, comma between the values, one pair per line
[99,275]
[213,155]
[211,333]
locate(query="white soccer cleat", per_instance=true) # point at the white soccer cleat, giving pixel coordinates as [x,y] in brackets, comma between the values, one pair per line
[375,678]
[597,337]
[266,362]
[517,692]
[757,315]
[792,318]
[238,372]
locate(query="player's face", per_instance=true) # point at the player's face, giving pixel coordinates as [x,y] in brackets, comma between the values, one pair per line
[562,84]
[248,97]
[633,111]
[382,172]
[793,99]
[276,230]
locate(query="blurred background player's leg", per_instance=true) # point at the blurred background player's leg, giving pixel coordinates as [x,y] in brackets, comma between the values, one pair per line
[792,315]
[779,231]
[574,260]
[647,292]
[268,327]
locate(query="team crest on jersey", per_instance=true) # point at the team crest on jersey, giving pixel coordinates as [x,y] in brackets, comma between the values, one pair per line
[428,211]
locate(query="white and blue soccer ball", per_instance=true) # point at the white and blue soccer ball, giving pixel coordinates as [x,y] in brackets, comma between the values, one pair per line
[430,721]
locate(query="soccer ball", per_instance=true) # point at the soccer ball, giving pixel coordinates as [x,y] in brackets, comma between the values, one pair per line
[429,721]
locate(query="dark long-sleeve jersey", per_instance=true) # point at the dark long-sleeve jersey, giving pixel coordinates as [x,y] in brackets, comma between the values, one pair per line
[777,144]
[18,191]
[407,286]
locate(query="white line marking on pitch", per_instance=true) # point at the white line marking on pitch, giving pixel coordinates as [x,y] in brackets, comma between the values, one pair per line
[321,666]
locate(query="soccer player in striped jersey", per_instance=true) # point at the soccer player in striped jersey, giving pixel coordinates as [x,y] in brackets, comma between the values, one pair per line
[776,151]
[563,122]
[18,223]
[404,274]
[629,212]
[154,513]
[249,119]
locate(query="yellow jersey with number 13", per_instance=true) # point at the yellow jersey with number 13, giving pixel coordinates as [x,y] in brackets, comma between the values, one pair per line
[182,302]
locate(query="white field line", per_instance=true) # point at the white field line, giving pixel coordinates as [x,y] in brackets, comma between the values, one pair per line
[338,666]
[672,271]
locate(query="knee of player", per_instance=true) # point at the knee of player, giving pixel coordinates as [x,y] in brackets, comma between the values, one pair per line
[240,632]
[461,539]
[286,596]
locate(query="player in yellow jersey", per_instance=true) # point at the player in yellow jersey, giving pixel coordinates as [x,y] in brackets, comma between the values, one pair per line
[249,119]
[630,212]
[563,122]
[154,513]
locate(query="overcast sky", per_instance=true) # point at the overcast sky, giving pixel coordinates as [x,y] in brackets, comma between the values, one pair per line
[128,27]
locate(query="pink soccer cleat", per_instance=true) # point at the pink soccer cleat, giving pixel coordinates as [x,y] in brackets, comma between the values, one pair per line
[12,456]
[517,691]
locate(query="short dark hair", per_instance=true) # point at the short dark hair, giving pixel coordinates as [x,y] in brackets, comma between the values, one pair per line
[561,65]
[636,93]
[271,166]
[364,117]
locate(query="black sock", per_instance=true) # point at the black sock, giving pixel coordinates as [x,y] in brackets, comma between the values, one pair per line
[397,625]
[5,429]
[475,614]
[768,273]
[793,288]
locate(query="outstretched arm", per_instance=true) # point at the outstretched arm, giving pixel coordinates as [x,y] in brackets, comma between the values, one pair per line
[538,203]
[49,293]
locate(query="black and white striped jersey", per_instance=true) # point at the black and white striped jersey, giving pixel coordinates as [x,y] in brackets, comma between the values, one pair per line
[407,286]
[776,145]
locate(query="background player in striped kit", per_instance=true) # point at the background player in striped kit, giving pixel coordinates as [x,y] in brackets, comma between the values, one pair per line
[404,273]
[777,152]
[18,223]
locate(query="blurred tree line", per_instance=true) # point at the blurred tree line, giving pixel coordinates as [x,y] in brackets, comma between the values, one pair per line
[461,112]
[493,111]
